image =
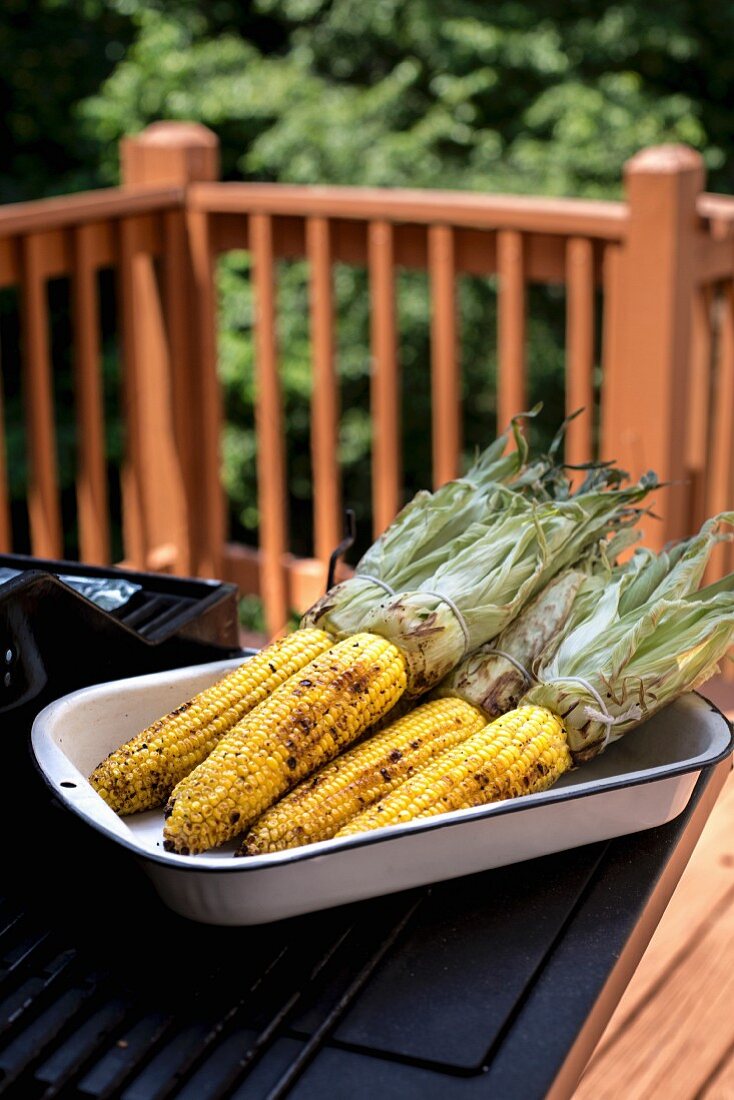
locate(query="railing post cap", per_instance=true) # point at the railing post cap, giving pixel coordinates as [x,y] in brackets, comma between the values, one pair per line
[170,134]
[660,160]
[170,152]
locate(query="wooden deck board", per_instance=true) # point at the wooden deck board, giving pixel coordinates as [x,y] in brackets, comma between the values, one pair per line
[721,1084]
[672,1036]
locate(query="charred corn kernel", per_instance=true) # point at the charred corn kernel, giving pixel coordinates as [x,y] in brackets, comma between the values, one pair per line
[521,752]
[321,805]
[142,773]
[299,727]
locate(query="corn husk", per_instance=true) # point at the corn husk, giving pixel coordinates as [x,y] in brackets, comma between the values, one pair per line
[419,539]
[492,572]
[495,676]
[490,681]
[639,639]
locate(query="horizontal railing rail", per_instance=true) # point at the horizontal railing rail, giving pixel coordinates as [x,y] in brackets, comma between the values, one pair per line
[648,287]
[579,217]
[88,206]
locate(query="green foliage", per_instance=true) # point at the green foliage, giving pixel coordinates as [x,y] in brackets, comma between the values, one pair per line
[547,97]
[53,54]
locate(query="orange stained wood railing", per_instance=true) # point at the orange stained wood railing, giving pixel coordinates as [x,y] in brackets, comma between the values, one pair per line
[648,280]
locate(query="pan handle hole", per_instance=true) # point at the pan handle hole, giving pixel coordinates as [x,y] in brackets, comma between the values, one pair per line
[66,783]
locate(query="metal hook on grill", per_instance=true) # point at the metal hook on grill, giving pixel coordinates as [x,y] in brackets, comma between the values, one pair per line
[350,534]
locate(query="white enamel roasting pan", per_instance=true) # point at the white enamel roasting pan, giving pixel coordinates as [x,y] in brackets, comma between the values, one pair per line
[641,781]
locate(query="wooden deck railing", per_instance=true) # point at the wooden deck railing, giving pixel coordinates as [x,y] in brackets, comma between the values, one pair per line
[663,261]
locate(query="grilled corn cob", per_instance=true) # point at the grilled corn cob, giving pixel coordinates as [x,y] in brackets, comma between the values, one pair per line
[300,726]
[493,570]
[484,686]
[142,773]
[521,752]
[321,805]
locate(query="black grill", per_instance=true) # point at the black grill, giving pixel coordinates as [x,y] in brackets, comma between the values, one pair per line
[476,987]
[117,997]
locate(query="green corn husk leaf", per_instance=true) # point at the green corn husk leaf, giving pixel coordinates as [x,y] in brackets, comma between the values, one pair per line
[488,680]
[492,571]
[607,595]
[494,683]
[642,640]
[343,609]
[431,520]
[417,542]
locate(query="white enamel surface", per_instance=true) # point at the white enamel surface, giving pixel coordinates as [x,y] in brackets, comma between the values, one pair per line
[73,734]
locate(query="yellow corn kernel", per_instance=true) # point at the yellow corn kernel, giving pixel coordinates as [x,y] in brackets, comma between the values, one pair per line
[321,805]
[299,727]
[522,752]
[142,773]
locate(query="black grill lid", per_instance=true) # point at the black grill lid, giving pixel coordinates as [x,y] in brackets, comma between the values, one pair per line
[53,640]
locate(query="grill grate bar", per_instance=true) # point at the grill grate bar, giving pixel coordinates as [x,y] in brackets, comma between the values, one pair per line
[214,1077]
[280,967]
[161,621]
[188,1057]
[164,1071]
[21,953]
[153,606]
[120,1061]
[31,994]
[266,1035]
[69,1060]
[319,1037]
[30,1045]
[10,916]
[178,1049]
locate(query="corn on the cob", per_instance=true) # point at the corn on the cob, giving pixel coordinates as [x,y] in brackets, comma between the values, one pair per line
[521,752]
[489,574]
[321,805]
[301,726]
[142,773]
[491,676]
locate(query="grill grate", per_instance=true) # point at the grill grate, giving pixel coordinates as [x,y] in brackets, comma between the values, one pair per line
[178,1008]
[154,613]
[105,994]
[117,1004]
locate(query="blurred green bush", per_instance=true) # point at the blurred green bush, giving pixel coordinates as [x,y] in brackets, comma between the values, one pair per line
[547,97]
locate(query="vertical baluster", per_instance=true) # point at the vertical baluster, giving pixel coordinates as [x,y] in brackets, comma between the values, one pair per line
[385,390]
[212,527]
[155,527]
[445,371]
[133,512]
[91,485]
[720,494]
[271,467]
[43,493]
[181,329]
[612,415]
[697,433]
[699,393]
[6,526]
[325,400]
[580,348]
[511,386]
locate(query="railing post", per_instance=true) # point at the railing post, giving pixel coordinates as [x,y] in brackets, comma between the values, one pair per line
[180,378]
[645,375]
